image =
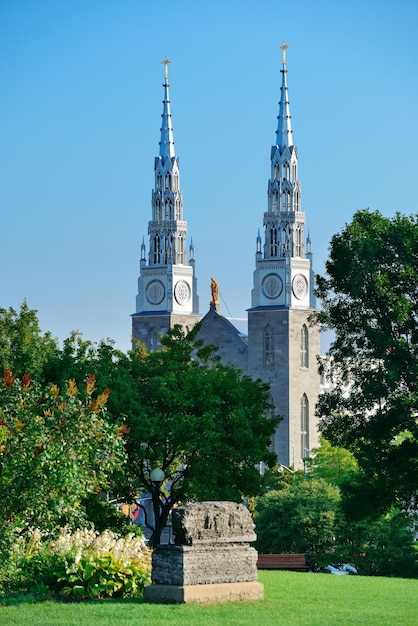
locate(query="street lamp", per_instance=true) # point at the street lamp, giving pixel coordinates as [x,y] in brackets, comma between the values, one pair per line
[157,477]
[282,467]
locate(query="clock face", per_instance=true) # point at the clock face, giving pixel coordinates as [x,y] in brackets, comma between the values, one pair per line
[155,292]
[300,286]
[272,286]
[182,292]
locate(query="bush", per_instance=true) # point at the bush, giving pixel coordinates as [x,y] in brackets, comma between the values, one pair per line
[81,563]
[102,576]
[298,518]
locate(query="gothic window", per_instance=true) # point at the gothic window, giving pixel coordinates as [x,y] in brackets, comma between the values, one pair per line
[168,180]
[180,251]
[152,342]
[158,209]
[157,249]
[304,426]
[274,202]
[273,241]
[176,182]
[286,170]
[268,344]
[304,346]
[276,172]
[168,210]
[298,251]
[177,209]
[159,181]
[284,201]
[296,201]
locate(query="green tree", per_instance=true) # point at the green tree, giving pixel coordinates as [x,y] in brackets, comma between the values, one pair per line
[299,518]
[335,465]
[201,422]
[56,447]
[370,299]
[23,347]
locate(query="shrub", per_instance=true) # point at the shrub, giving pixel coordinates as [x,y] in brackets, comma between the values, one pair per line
[76,558]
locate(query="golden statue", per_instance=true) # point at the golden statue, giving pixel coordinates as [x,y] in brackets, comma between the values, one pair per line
[215,291]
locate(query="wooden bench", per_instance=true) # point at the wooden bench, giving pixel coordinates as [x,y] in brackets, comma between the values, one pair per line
[297,562]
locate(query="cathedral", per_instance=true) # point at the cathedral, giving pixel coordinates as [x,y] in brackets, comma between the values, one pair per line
[281,347]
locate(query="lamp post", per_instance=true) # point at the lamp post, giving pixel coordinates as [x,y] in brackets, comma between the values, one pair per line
[282,467]
[157,477]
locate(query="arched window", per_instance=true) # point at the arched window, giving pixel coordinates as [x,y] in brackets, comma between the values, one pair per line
[268,345]
[285,171]
[304,346]
[157,249]
[304,426]
[273,241]
[152,342]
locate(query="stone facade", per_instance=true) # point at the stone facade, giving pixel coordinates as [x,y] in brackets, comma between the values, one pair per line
[211,560]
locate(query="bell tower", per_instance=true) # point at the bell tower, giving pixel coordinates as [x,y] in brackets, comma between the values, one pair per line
[282,344]
[167,285]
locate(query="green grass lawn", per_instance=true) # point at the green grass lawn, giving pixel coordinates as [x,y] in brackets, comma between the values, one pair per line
[290,599]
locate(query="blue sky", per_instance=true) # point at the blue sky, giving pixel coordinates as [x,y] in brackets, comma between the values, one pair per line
[80,107]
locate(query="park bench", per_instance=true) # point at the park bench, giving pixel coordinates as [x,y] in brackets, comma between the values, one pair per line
[284,561]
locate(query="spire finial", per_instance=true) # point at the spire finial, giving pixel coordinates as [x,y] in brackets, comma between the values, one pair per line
[283,48]
[166,62]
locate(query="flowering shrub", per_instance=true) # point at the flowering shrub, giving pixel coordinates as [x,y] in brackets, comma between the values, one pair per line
[56,448]
[82,564]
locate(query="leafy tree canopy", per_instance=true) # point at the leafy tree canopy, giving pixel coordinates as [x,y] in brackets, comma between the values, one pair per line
[370,299]
[298,518]
[23,347]
[201,422]
[335,465]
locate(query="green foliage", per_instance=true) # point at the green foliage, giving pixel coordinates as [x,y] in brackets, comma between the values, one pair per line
[103,576]
[298,518]
[306,516]
[56,447]
[200,421]
[335,465]
[370,299]
[23,348]
[80,564]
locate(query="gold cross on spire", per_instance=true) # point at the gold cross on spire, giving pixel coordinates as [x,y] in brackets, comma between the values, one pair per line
[283,48]
[166,62]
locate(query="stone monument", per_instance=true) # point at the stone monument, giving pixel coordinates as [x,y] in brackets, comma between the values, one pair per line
[211,559]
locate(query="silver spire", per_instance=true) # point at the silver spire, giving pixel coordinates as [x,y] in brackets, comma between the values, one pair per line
[167,141]
[284,128]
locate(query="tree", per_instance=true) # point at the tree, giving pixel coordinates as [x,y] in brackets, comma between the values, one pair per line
[299,518]
[23,347]
[201,422]
[56,447]
[335,465]
[370,299]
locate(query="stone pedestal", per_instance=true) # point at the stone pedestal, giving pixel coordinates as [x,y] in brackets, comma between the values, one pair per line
[211,560]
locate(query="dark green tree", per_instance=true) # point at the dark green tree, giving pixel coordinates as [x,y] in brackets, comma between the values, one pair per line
[370,299]
[201,422]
